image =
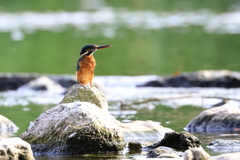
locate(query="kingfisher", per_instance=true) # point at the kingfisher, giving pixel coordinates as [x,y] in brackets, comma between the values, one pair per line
[86,63]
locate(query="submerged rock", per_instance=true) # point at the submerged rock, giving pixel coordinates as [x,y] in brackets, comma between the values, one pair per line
[14,149]
[163,151]
[190,154]
[228,156]
[142,131]
[176,140]
[166,155]
[223,118]
[7,127]
[81,124]
[224,146]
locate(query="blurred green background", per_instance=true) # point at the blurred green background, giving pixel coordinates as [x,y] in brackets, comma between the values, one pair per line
[148,36]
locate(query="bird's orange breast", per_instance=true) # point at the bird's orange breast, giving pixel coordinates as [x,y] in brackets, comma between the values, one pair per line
[85,73]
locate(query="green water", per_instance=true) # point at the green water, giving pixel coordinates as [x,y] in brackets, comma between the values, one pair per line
[21,117]
[157,53]
[134,52]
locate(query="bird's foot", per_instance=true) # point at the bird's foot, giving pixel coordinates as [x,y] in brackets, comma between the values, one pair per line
[91,84]
[86,84]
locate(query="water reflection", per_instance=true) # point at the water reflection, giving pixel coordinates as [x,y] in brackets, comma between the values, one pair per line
[102,156]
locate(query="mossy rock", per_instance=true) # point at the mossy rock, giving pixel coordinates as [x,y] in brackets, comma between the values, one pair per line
[73,128]
[86,93]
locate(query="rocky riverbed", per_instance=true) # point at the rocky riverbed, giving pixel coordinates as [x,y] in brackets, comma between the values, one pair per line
[82,117]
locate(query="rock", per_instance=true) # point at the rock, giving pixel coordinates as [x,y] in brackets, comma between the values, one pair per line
[81,124]
[7,127]
[67,82]
[154,83]
[73,128]
[188,155]
[206,78]
[43,83]
[134,145]
[228,156]
[86,94]
[159,152]
[176,140]
[224,146]
[195,154]
[14,149]
[12,82]
[223,118]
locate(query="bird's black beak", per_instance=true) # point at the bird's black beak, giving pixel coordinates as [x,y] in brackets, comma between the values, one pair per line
[103,46]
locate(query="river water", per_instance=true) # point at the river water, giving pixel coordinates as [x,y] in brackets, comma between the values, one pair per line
[24,105]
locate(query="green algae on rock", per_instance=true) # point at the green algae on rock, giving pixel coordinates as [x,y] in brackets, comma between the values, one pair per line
[86,94]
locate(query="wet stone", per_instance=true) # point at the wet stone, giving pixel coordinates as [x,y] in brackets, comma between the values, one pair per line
[222,118]
[73,128]
[224,146]
[134,145]
[158,152]
[176,140]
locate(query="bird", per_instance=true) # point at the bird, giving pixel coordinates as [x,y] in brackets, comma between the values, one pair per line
[86,63]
